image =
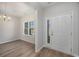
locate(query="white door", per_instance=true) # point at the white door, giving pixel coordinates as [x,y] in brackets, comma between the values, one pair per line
[60,31]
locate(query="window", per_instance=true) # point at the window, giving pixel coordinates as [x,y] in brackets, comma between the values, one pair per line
[26,28]
[29,28]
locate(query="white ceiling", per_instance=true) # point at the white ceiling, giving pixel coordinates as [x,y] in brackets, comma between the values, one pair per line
[40,4]
[21,8]
[15,8]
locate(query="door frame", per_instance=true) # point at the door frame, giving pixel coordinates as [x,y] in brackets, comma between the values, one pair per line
[48,45]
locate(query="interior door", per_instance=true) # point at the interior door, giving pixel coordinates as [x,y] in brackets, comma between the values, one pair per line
[60,31]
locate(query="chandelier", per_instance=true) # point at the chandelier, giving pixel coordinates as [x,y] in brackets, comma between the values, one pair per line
[4,15]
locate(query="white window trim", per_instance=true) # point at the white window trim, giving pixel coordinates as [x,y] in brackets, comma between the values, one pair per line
[28,27]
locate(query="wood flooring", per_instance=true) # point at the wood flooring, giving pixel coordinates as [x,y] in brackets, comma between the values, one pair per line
[46,52]
[21,48]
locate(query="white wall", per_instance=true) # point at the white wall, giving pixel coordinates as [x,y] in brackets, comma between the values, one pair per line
[76,31]
[8,30]
[28,38]
[39,33]
[29,17]
[59,9]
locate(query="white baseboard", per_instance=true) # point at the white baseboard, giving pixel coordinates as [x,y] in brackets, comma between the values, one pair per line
[27,41]
[37,50]
[8,41]
[75,55]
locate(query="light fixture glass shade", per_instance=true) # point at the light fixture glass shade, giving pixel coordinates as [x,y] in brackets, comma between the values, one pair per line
[4,16]
[0,16]
[8,17]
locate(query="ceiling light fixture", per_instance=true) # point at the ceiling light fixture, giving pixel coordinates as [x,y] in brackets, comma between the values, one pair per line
[4,16]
